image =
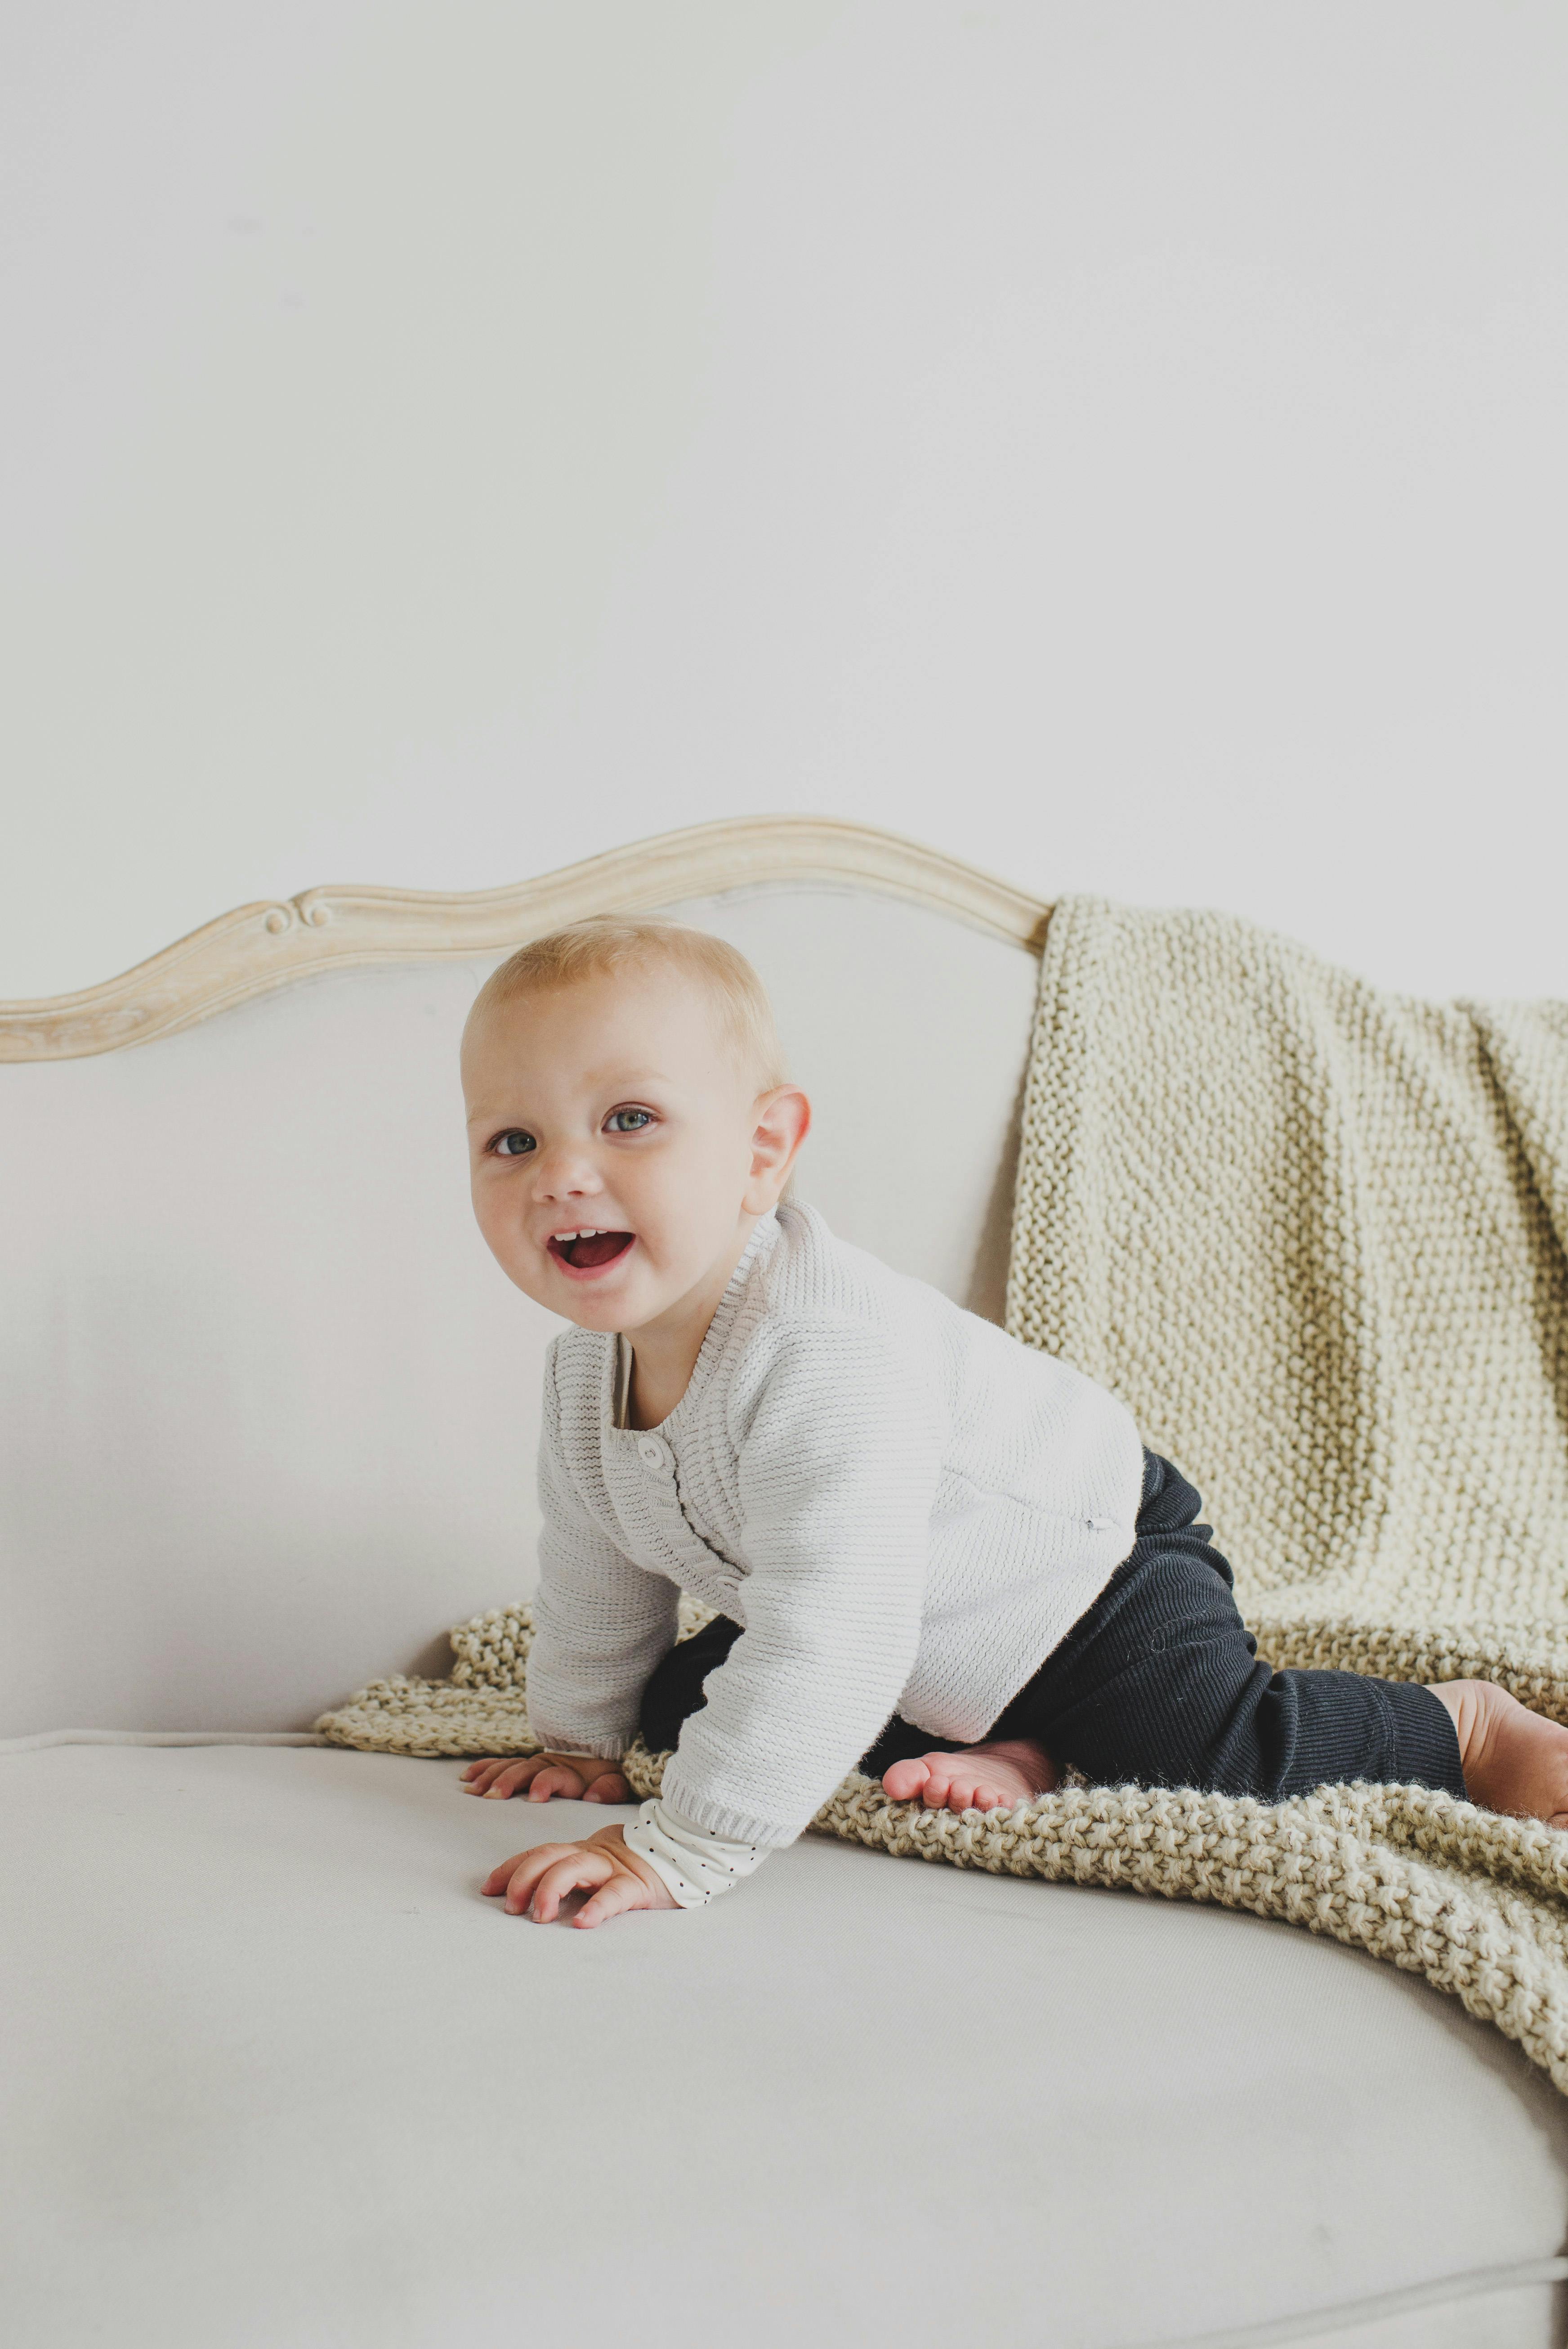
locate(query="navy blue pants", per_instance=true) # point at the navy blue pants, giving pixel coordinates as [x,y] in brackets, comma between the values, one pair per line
[1158,1684]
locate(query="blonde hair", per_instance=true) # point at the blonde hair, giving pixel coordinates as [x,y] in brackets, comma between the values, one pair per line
[607,942]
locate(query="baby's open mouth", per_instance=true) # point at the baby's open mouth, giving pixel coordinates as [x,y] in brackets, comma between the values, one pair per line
[587,1251]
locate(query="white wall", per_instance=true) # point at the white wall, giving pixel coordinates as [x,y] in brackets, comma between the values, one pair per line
[1121,442]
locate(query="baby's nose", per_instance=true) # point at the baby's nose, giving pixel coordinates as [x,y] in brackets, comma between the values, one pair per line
[564,1172]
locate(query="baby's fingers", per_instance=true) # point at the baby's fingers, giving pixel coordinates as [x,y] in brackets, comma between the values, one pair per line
[555,1867]
[500,1777]
[624,1891]
[517,1876]
[581,1866]
[499,1878]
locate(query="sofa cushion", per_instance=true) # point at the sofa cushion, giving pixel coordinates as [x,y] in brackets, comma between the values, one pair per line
[284,2078]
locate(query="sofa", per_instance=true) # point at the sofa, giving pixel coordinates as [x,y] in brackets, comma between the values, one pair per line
[276,2075]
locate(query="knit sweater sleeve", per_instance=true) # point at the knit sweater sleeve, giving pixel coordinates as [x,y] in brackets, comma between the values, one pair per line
[839,1447]
[601,1623]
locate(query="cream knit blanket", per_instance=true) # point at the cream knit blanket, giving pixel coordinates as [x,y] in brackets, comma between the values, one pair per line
[1314,1235]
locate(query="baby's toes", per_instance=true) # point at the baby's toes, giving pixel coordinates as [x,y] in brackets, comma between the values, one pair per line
[903,1782]
[1554,1808]
[946,1789]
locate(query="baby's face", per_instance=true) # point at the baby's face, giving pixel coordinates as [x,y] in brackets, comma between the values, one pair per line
[613,1107]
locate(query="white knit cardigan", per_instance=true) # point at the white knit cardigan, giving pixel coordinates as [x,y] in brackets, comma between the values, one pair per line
[904,1509]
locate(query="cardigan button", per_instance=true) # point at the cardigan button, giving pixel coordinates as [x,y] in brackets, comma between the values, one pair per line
[654,1453]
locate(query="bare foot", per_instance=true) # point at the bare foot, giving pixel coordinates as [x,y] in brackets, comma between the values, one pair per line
[977,1778]
[578,1778]
[1513,1760]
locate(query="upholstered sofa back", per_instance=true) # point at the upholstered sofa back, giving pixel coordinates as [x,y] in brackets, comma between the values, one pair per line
[269,1408]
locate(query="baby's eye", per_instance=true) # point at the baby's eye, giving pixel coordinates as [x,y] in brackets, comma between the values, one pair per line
[515,1145]
[614,1119]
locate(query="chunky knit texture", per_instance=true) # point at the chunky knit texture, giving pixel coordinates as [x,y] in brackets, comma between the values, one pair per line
[1313,1233]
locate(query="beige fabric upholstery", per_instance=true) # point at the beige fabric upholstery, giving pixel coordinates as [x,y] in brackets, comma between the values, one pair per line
[282,2080]
[287,2082]
[1307,1230]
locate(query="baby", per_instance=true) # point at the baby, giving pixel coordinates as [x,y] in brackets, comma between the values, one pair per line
[937,1556]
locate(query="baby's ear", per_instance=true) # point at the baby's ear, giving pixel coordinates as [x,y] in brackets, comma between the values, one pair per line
[783,1121]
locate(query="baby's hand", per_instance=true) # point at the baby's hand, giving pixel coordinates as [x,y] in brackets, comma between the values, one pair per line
[538,1881]
[576,1777]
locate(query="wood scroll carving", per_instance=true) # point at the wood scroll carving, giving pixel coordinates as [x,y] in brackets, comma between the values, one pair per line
[261,947]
